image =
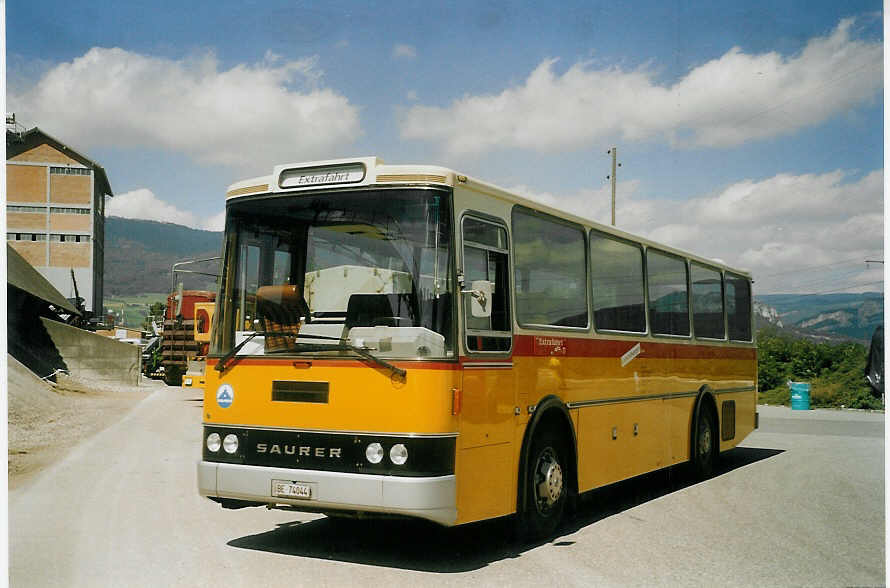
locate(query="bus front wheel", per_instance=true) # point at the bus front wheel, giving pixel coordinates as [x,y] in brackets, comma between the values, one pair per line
[546,488]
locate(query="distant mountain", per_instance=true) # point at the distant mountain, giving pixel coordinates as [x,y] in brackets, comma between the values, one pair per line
[139,256]
[823,316]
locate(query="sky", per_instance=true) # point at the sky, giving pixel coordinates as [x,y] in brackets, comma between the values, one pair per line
[750,132]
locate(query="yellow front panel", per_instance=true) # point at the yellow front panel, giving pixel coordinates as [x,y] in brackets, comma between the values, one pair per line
[361,397]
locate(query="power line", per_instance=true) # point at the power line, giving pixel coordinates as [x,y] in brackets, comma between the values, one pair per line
[849,288]
[812,267]
[793,98]
[842,276]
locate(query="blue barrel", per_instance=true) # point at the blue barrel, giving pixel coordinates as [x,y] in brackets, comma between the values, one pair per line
[800,396]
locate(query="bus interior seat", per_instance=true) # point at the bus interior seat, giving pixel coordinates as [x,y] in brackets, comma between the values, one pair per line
[280,309]
[371,310]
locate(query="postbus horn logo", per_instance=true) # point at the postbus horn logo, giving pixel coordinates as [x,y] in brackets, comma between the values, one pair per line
[225,396]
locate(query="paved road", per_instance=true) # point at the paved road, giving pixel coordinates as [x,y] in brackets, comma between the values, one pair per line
[800,503]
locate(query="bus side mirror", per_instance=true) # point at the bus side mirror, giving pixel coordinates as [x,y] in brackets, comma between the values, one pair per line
[480,304]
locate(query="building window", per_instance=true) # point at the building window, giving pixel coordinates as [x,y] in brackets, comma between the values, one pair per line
[26,236]
[69,171]
[62,238]
[17,208]
[68,210]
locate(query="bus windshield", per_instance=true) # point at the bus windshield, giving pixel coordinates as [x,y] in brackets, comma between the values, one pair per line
[368,268]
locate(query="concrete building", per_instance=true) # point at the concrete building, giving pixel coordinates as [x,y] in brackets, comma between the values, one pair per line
[55,212]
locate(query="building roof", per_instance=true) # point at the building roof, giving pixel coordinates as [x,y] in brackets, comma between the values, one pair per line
[17,143]
[22,275]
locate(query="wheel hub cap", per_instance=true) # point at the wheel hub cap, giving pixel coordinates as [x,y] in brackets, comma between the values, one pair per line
[704,441]
[550,480]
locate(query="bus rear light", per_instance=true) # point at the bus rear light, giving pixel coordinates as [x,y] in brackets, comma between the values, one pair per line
[455,401]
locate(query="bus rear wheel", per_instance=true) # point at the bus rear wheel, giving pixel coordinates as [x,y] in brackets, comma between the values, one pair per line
[705,454]
[546,487]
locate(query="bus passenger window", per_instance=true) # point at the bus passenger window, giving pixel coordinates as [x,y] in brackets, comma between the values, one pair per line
[738,307]
[551,271]
[617,277]
[668,295]
[707,303]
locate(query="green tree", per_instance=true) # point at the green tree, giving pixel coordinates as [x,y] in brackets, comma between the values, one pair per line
[834,371]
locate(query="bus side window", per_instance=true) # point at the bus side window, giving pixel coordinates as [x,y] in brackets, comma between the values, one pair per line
[738,307]
[707,303]
[668,294]
[619,299]
[551,271]
[485,258]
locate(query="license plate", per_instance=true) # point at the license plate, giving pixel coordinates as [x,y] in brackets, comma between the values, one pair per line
[281,489]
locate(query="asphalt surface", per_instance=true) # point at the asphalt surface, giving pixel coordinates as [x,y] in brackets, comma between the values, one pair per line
[801,502]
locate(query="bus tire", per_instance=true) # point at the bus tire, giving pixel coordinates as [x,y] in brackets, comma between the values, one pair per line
[705,448]
[547,486]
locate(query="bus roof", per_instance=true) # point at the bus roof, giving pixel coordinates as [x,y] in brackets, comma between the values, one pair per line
[372,171]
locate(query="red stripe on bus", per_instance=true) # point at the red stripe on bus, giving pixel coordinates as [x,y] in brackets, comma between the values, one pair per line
[539,346]
[561,346]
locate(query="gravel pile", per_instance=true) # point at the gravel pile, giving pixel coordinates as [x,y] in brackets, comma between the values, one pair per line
[47,420]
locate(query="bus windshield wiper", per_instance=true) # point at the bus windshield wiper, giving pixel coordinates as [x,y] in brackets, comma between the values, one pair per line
[221,364]
[342,345]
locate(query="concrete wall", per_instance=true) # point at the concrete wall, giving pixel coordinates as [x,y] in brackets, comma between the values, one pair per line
[95,357]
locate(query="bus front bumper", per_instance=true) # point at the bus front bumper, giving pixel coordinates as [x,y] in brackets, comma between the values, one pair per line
[431,498]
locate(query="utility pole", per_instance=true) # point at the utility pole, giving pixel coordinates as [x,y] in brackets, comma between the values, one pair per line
[615,165]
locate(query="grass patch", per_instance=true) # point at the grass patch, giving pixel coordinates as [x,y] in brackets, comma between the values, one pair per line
[130,311]
[776,396]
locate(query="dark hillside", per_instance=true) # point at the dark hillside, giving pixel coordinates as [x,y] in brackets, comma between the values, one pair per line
[139,255]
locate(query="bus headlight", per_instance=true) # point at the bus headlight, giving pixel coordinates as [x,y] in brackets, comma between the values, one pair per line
[374,453]
[398,454]
[213,442]
[230,443]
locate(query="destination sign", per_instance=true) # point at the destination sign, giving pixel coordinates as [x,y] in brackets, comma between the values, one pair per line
[322,176]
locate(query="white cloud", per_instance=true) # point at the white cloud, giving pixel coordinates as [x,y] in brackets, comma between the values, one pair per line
[771,226]
[144,204]
[249,116]
[404,51]
[736,98]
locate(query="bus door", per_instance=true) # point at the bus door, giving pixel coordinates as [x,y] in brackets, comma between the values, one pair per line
[488,391]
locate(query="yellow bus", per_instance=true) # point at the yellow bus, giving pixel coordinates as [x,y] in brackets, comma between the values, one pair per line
[407,340]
